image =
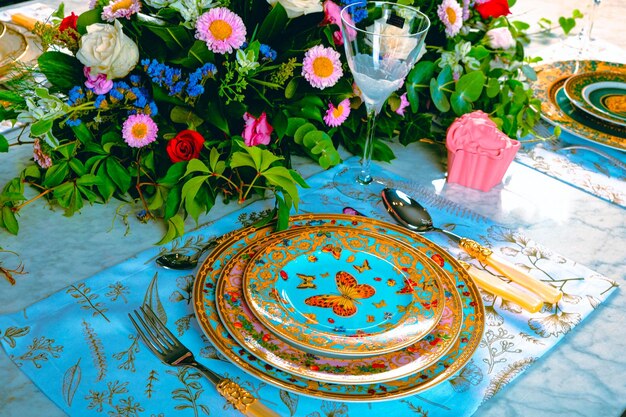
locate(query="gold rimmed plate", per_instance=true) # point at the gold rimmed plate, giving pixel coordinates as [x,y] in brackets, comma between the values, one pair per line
[459,354]
[557,109]
[13,46]
[22,49]
[344,292]
[263,343]
[601,94]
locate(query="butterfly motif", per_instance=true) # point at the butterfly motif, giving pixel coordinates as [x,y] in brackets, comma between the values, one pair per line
[312,258]
[363,267]
[470,375]
[380,304]
[370,318]
[333,250]
[408,287]
[325,275]
[344,303]
[307,282]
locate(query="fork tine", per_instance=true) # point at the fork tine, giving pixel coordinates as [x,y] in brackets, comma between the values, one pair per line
[151,315]
[147,341]
[150,330]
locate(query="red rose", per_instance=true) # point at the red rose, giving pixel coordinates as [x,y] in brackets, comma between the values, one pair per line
[185,146]
[69,22]
[493,8]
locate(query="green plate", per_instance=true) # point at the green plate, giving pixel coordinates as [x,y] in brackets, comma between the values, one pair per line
[558,110]
[600,94]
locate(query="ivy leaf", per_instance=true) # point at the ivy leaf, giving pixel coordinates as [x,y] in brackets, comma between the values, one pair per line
[175,228]
[189,192]
[4,144]
[196,165]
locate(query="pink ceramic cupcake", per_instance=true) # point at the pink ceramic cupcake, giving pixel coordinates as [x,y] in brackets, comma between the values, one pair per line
[478,152]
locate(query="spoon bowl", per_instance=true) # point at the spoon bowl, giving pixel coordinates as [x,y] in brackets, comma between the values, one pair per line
[181,261]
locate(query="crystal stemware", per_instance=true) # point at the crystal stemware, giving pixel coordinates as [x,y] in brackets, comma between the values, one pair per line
[382,42]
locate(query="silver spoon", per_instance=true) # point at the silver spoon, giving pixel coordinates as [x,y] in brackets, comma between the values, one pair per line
[180,261]
[411,214]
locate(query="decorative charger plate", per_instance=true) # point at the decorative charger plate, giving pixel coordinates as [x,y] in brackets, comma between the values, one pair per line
[262,343]
[344,292]
[557,109]
[460,353]
[28,57]
[601,94]
[13,46]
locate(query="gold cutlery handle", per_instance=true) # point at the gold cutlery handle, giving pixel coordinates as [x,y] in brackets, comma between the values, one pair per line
[546,292]
[243,400]
[528,301]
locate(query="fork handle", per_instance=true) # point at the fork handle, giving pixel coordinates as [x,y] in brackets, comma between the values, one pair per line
[235,394]
[243,400]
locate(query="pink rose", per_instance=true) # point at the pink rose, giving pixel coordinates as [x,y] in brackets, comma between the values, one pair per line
[257,131]
[500,38]
[332,16]
[98,83]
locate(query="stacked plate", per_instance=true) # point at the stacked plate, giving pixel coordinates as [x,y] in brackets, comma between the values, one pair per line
[586,98]
[339,307]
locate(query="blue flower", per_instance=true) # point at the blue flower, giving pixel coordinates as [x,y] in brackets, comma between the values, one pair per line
[267,52]
[73,122]
[135,80]
[75,94]
[98,103]
[115,93]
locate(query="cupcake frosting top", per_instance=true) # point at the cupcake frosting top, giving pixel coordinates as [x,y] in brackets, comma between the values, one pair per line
[476,133]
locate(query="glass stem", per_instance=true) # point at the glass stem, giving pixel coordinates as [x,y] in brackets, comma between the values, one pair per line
[365,176]
[584,37]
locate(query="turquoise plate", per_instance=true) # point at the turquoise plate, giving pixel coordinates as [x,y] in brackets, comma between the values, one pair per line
[601,94]
[449,364]
[344,292]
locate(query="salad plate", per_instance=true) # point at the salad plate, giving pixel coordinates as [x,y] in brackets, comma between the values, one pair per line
[344,292]
[13,46]
[601,94]
[263,343]
[473,324]
[557,109]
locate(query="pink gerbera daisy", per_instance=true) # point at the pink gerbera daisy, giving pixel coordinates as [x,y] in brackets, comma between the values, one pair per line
[335,116]
[139,130]
[321,67]
[221,29]
[451,15]
[120,8]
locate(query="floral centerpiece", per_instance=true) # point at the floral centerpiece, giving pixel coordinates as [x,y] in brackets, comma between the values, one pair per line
[175,103]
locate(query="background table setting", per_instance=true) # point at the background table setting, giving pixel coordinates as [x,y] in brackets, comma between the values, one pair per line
[558,214]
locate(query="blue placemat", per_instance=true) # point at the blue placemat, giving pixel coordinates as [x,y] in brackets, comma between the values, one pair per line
[79,348]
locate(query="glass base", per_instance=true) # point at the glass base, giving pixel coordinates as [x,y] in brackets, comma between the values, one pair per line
[350,182]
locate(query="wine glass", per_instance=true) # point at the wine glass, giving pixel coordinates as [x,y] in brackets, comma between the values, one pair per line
[584,36]
[382,42]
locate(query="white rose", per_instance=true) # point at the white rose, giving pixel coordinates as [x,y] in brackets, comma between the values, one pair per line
[297,8]
[500,38]
[107,50]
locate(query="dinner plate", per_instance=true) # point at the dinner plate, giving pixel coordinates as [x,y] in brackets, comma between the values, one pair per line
[28,57]
[344,292]
[262,343]
[601,94]
[460,353]
[13,46]
[557,109]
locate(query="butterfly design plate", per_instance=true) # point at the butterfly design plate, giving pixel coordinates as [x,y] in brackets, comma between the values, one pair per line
[557,109]
[344,292]
[601,94]
[459,354]
[262,343]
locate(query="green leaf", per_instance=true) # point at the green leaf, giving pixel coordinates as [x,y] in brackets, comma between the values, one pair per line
[4,144]
[301,131]
[56,174]
[185,116]
[189,192]
[118,173]
[567,24]
[106,187]
[479,52]
[459,104]
[9,220]
[470,86]
[173,201]
[273,25]
[176,38]
[284,210]
[63,71]
[529,72]
[198,55]
[196,165]
[174,173]
[440,100]
[292,87]
[88,18]
[82,133]
[88,180]
[41,127]
[493,87]
[418,80]
[175,228]
[280,176]
[77,166]
[293,123]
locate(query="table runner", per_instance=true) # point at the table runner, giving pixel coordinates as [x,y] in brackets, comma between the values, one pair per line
[581,167]
[79,348]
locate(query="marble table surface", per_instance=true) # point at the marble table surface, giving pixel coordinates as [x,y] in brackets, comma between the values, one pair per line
[582,376]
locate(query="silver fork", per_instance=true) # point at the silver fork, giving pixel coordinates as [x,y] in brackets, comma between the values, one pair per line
[171,351]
